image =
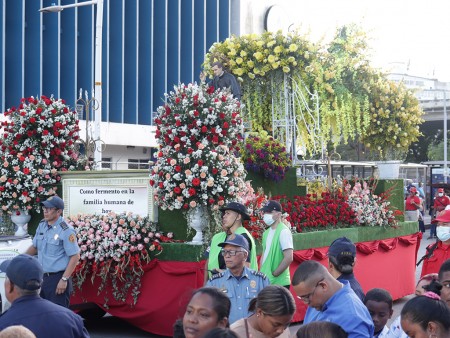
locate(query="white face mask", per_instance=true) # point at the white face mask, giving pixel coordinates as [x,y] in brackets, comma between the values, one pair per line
[443,233]
[440,194]
[268,219]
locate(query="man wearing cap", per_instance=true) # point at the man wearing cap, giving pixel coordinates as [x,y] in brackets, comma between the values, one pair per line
[412,205]
[440,203]
[24,277]
[56,245]
[238,282]
[233,215]
[439,252]
[341,260]
[278,246]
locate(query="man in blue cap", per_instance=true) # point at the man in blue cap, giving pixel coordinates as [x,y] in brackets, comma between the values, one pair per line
[233,216]
[238,282]
[24,277]
[341,260]
[56,245]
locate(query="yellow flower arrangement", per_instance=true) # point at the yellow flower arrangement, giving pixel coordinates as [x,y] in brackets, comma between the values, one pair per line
[395,116]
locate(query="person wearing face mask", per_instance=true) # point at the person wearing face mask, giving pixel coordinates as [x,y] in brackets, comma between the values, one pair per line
[233,215]
[439,252]
[278,246]
[440,203]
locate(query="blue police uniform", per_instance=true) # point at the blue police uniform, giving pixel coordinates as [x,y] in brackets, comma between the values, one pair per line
[44,318]
[240,290]
[55,244]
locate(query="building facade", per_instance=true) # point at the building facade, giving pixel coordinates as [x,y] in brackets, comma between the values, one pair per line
[148,47]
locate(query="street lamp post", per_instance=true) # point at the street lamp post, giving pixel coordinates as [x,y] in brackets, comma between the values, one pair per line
[445,138]
[98,70]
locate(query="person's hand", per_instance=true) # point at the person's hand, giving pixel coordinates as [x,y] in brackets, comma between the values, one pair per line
[61,287]
[202,76]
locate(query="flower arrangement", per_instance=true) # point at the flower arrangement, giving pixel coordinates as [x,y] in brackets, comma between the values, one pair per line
[197,132]
[350,91]
[318,212]
[257,56]
[24,182]
[115,248]
[38,139]
[42,126]
[266,156]
[395,119]
[253,202]
[370,209]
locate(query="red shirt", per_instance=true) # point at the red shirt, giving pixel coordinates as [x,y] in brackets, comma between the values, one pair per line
[433,264]
[409,206]
[441,202]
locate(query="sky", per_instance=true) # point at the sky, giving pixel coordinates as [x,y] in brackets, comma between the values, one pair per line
[409,32]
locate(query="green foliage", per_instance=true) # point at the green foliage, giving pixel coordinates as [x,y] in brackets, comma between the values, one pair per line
[350,90]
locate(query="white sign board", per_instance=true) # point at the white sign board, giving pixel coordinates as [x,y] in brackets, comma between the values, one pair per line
[100,195]
[104,199]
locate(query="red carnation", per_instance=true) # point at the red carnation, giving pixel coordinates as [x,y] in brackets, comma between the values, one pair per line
[192,192]
[196,182]
[200,163]
[177,190]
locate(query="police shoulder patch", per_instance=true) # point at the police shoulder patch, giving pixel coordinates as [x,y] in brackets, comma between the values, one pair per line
[259,274]
[217,275]
[64,225]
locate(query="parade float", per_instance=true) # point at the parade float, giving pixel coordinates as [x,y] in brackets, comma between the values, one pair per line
[140,259]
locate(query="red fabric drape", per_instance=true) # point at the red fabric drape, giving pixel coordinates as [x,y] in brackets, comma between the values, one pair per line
[389,264]
[167,286]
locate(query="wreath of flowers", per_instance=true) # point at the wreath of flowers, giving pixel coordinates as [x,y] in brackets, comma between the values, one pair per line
[197,131]
[265,155]
[115,248]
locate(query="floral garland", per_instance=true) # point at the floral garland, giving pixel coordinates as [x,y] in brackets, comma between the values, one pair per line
[266,156]
[115,248]
[197,131]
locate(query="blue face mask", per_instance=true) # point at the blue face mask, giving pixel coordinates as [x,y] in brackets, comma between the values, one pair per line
[268,219]
[443,233]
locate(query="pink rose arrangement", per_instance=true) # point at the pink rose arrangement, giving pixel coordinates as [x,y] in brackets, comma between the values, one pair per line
[114,248]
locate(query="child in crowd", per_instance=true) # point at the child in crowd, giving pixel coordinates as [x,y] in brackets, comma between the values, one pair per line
[379,304]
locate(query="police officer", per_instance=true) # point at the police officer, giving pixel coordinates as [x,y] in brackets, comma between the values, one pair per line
[56,245]
[240,283]
[24,277]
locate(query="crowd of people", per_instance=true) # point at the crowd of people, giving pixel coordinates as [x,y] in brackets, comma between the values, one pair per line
[238,300]
[260,304]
